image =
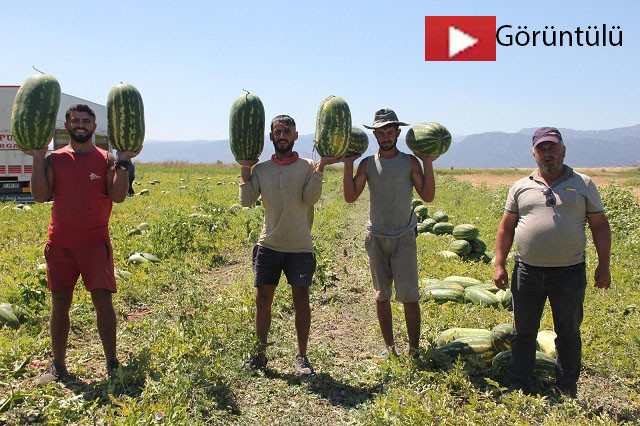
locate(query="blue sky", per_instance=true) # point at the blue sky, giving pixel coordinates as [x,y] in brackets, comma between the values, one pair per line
[191,61]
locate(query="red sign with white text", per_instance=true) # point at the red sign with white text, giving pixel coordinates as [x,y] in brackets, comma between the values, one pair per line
[460,38]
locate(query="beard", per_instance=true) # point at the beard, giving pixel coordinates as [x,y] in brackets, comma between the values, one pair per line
[284,150]
[390,147]
[80,138]
[550,167]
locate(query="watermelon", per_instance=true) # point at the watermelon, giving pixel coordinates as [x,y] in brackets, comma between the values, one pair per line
[431,139]
[416,202]
[460,247]
[443,295]
[463,281]
[422,228]
[125,118]
[501,336]
[358,142]
[35,108]
[333,127]
[546,341]
[246,127]
[442,228]
[448,254]
[465,232]
[475,347]
[507,299]
[428,223]
[482,297]
[452,334]
[477,246]
[8,317]
[421,212]
[544,366]
[440,216]
[440,284]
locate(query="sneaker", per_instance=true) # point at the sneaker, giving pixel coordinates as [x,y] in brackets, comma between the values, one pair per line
[257,362]
[303,366]
[53,373]
[113,365]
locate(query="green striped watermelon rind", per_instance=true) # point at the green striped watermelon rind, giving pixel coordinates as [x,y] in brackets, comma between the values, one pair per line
[358,142]
[432,139]
[125,118]
[333,127]
[35,108]
[246,127]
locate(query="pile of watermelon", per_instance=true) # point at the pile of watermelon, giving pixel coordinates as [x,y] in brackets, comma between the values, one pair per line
[466,244]
[492,348]
[459,289]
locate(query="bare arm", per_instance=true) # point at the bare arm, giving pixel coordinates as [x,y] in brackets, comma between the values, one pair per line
[601,233]
[352,186]
[42,176]
[424,182]
[504,240]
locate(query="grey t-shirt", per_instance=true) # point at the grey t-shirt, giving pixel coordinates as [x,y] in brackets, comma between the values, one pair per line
[552,236]
[391,191]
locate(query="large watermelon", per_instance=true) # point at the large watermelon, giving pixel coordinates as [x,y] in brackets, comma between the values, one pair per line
[441,284]
[422,211]
[482,297]
[443,228]
[465,232]
[33,119]
[125,118]
[546,341]
[428,224]
[358,142]
[428,138]
[246,127]
[443,295]
[478,246]
[490,287]
[460,247]
[440,216]
[545,366]
[501,336]
[8,316]
[455,333]
[477,347]
[333,127]
[463,281]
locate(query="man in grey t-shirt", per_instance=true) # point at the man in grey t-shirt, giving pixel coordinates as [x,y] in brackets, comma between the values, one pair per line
[546,214]
[391,238]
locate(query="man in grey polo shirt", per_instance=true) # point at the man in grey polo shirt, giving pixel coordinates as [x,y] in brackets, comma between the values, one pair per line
[546,214]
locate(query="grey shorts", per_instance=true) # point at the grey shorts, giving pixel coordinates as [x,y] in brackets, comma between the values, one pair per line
[394,260]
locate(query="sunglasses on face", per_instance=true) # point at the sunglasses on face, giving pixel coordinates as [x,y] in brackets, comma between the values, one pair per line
[551,198]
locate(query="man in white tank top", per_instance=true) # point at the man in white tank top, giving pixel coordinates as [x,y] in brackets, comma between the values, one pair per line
[391,237]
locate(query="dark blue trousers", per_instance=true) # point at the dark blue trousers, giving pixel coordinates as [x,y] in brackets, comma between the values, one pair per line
[565,287]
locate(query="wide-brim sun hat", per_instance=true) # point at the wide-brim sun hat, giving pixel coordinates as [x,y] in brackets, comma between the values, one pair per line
[384,117]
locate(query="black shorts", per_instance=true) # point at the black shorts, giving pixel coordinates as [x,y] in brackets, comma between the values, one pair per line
[268,265]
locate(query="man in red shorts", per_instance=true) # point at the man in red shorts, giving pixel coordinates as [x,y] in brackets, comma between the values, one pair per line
[83,181]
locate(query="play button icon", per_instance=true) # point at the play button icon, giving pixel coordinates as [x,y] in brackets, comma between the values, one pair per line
[460,38]
[459,41]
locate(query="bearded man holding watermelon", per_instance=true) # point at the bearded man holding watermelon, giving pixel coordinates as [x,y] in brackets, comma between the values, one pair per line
[391,231]
[545,215]
[289,187]
[84,181]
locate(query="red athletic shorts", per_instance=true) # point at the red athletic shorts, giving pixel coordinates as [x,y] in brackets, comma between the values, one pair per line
[65,265]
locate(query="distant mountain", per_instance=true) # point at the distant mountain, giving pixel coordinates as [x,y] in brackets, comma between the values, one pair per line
[585,148]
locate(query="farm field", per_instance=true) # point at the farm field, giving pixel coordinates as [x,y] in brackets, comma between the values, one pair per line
[185,324]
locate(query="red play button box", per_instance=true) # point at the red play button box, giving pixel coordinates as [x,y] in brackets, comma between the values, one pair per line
[460,38]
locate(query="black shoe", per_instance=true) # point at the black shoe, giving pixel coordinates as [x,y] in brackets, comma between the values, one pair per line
[113,365]
[303,366]
[53,373]
[567,391]
[257,362]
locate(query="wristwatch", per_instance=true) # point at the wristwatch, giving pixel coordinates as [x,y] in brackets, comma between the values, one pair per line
[123,165]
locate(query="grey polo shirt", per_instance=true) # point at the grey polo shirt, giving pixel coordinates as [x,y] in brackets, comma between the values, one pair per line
[552,236]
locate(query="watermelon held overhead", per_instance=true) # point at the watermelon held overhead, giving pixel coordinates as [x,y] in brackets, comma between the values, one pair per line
[35,108]
[125,118]
[358,142]
[246,127]
[431,138]
[333,127]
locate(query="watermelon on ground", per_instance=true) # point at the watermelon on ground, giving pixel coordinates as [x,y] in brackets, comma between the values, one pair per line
[451,334]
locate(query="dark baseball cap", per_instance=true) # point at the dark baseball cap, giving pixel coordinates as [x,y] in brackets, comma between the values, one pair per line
[547,134]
